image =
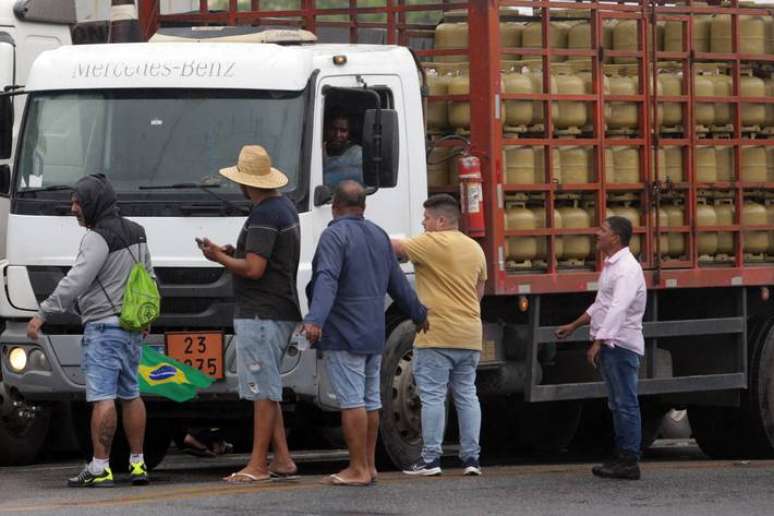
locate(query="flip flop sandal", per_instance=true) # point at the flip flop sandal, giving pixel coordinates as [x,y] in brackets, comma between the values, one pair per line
[247,478]
[278,475]
[335,480]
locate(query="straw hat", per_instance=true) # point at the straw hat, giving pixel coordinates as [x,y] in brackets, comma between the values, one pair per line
[254,169]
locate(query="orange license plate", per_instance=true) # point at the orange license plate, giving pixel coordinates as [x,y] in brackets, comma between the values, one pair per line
[201,350]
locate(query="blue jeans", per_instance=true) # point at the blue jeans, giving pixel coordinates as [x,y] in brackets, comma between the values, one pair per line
[620,370]
[260,346]
[109,360]
[354,379]
[436,370]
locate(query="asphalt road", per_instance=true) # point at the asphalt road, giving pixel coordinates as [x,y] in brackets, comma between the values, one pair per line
[677,479]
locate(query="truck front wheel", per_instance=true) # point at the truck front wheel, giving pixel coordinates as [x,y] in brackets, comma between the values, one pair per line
[23,428]
[400,429]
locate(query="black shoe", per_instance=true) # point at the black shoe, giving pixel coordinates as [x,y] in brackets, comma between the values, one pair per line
[86,479]
[625,468]
[472,468]
[424,469]
[608,463]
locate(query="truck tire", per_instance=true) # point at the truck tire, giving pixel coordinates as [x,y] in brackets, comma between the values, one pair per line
[23,429]
[400,429]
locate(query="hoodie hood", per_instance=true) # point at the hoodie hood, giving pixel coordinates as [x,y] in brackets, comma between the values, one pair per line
[97,198]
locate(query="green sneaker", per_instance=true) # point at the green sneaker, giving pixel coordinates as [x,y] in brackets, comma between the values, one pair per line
[86,479]
[138,474]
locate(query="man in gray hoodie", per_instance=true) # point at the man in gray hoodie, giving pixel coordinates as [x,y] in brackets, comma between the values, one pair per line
[94,289]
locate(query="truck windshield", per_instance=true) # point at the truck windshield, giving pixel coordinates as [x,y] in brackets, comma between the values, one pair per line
[142,138]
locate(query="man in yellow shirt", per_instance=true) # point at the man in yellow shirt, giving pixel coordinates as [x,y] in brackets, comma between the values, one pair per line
[450,274]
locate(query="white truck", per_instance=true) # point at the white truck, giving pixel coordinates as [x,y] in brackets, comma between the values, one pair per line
[25,32]
[160,119]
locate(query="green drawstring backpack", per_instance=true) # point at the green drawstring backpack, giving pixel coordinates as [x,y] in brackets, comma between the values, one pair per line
[141,302]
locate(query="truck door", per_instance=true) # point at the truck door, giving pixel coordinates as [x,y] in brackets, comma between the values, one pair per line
[7,78]
[388,207]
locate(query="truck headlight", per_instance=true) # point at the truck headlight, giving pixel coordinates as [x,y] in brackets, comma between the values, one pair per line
[18,359]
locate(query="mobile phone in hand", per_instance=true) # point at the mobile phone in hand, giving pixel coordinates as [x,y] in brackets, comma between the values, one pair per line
[199,242]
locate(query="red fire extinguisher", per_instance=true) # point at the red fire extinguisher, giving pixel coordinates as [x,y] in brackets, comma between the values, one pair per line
[471,195]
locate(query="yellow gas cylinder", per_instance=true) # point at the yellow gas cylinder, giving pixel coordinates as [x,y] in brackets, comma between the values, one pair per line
[626,37]
[770,164]
[673,156]
[542,242]
[532,36]
[673,36]
[706,165]
[609,165]
[540,165]
[720,34]
[520,166]
[658,156]
[633,216]
[769,22]
[518,112]
[704,112]
[588,89]
[724,213]
[567,113]
[753,113]
[437,114]
[622,115]
[769,107]
[754,214]
[722,86]
[575,247]
[770,219]
[724,161]
[626,165]
[608,29]
[702,27]
[671,85]
[676,217]
[579,38]
[510,36]
[451,35]
[673,33]
[752,35]
[576,164]
[663,222]
[459,112]
[753,164]
[536,76]
[706,242]
[454,173]
[438,167]
[519,218]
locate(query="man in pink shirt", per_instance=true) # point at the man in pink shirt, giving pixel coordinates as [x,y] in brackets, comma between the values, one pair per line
[617,342]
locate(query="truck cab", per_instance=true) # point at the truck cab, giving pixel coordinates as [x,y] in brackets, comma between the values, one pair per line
[160,120]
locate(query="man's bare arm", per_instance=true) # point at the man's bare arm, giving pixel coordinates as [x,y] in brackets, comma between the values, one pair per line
[398,248]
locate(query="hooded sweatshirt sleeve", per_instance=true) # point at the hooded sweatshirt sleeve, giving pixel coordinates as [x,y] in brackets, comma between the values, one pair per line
[91,257]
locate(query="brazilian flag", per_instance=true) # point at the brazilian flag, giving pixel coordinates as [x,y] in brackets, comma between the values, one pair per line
[159,375]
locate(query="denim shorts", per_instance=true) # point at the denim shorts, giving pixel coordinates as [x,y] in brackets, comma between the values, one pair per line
[260,346]
[109,360]
[354,379]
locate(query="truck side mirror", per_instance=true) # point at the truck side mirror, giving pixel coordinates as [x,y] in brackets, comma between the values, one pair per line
[6,126]
[380,148]
[5,179]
